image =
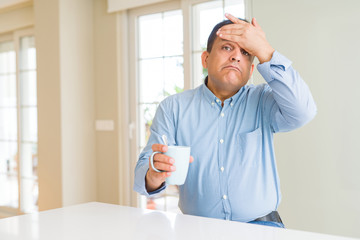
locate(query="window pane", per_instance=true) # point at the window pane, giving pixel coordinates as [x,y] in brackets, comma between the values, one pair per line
[8,158]
[27,53]
[29,160]
[151,80]
[29,195]
[7,58]
[28,125]
[206,16]
[8,90]
[173,33]
[150,36]
[9,190]
[161,34]
[147,113]
[235,8]
[28,88]
[173,75]
[199,73]
[8,124]
[28,122]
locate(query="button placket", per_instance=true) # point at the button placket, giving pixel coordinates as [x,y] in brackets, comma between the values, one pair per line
[222,124]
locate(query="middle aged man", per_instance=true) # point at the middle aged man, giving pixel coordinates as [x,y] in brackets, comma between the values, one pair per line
[229,126]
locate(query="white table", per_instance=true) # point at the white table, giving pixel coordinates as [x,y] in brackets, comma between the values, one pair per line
[106,221]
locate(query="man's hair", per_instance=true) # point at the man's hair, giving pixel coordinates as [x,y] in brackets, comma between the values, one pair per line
[213,35]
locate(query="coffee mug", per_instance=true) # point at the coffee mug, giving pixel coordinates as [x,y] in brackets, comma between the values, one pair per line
[181,155]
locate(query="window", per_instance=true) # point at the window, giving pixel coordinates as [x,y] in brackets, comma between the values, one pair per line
[165,60]
[18,123]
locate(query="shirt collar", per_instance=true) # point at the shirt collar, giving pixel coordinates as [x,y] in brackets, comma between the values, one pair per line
[211,98]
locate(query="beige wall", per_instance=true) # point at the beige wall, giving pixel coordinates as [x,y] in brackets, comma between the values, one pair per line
[107,142]
[49,103]
[16,19]
[66,99]
[77,101]
[77,164]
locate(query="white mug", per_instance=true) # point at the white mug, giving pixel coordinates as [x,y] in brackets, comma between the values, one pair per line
[181,155]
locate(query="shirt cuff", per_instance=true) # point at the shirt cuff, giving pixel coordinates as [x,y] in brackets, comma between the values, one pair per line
[139,185]
[277,64]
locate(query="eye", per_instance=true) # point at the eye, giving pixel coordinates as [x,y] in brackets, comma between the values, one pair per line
[227,48]
[245,52]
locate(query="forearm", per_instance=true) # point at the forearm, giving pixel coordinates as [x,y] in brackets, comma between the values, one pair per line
[294,104]
[141,184]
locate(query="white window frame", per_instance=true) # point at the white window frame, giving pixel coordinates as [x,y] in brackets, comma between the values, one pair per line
[15,37]
[127,23]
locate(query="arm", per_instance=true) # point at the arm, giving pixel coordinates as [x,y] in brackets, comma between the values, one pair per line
[289,101]
[148,181]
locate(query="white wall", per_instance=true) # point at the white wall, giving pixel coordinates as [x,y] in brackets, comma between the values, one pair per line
[319,164]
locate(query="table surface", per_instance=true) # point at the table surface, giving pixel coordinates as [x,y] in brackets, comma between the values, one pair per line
[107,221]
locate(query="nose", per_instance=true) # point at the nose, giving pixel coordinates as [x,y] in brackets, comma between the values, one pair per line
[235,57]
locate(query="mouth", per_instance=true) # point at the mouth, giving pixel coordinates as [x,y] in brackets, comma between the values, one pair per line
[231,67]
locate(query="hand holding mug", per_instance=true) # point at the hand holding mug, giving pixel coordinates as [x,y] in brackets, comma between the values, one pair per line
[163,164]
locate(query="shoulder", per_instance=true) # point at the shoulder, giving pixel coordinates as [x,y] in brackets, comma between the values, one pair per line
[181,98]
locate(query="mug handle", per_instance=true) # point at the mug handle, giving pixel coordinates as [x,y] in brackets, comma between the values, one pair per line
[152,162]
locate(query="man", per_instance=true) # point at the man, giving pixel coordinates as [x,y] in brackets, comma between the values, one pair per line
[229,126]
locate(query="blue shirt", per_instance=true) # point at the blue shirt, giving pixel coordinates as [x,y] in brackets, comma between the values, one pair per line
[234,173]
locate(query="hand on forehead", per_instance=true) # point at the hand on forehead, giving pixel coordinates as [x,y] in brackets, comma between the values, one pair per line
[249,36]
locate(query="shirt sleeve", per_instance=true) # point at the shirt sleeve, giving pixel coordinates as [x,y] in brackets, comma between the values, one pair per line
[162,124]
[290,103]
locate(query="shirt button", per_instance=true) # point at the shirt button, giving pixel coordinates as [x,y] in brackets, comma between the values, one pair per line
[217,100]
[221,140]
[222,114]
[222,169]
[224,197]
[213,103]
[231,104]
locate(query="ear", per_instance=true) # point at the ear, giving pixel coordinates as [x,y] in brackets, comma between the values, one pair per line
[204,57]
[252,69]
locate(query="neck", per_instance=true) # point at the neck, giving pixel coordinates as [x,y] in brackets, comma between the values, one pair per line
[219,92]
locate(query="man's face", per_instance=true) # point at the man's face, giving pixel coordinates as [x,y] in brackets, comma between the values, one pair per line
[229,66]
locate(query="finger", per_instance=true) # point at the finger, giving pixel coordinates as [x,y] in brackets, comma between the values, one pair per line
[233,19]
[233,38]
[232,27]
[161,175]
[159,147]
[163,158]
[191,159]
[231,31]
[255,23]
[164,167]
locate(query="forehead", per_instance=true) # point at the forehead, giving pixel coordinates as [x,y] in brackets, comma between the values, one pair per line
[220,41]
